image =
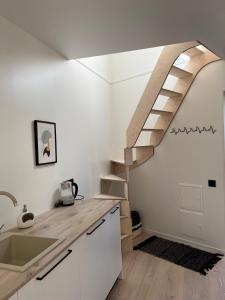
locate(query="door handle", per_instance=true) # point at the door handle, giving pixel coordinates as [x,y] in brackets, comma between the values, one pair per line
[100,224]
[113,212]
[52,268]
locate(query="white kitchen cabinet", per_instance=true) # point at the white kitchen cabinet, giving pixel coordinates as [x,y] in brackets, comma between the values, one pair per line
[59,283]
[85,271]
[101,259]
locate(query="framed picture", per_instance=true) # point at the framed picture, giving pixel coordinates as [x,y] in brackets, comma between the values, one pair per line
[45,142]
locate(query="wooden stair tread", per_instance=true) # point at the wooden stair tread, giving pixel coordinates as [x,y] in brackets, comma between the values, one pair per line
[112,177]
[143,146]
[123,217]
[108,197]
[179,73]
[153,129]
[120,162]
[124,236]
[140,238]
[169,93]
[193,52]
[160,111]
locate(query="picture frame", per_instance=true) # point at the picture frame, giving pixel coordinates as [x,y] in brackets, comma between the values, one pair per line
[45,142]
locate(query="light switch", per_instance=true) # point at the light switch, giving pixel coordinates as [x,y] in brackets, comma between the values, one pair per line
[212,183]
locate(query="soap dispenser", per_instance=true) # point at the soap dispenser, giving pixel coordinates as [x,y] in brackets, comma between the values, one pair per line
[25,219]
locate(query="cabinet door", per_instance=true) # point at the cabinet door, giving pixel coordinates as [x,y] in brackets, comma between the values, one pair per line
[94,263]
[114,246]
[60,280]
[101,258]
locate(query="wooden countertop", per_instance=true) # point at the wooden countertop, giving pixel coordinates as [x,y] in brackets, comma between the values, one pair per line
[68,223]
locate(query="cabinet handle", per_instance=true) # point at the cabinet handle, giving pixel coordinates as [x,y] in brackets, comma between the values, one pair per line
[113,212]
[103,221]
[50,270]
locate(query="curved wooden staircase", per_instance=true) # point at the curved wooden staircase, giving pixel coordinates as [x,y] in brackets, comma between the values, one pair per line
[137,152]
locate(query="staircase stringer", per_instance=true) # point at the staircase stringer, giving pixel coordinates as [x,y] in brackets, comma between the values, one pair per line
[158,77]
[205,61]
[198,60]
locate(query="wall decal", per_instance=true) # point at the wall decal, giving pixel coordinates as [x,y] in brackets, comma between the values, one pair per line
[197,129]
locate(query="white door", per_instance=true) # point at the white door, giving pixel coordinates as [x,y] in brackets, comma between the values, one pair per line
[59,281]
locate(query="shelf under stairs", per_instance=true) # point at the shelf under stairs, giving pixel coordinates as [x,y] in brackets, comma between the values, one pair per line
[108,183]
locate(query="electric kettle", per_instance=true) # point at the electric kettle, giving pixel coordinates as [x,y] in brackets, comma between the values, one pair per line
[68,191]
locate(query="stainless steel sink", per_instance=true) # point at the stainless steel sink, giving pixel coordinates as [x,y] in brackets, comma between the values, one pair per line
[18,252]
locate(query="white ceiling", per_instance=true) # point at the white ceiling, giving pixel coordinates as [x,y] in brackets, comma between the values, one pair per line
[82,28]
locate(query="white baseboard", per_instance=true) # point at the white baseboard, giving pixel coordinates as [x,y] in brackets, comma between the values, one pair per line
[195,244]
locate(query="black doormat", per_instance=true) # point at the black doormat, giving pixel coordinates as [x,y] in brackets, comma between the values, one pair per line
[180,254]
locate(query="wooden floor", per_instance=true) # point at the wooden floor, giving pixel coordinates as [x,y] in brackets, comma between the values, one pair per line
[150,278]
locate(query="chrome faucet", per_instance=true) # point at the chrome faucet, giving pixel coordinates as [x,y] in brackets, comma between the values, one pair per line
[11,197]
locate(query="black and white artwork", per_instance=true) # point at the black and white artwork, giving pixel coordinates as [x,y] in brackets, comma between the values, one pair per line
[45,142]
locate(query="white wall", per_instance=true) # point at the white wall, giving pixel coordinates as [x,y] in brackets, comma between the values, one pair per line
[100,65]
[130,74]
[114,68]
[36,83]
[190,159]
[126,65]
[126,95]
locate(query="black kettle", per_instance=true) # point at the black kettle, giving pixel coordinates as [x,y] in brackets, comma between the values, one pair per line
[74,186]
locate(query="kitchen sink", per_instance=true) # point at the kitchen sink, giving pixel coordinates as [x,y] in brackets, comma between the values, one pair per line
[18,251]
